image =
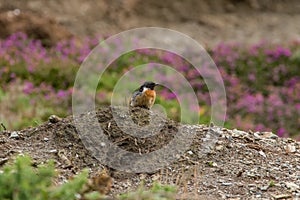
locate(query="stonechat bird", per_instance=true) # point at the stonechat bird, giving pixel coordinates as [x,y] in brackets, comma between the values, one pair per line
[144,97]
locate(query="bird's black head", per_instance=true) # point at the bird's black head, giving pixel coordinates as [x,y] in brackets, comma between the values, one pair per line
[150,85]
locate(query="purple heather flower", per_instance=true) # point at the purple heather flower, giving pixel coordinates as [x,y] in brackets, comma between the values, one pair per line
[62,94]
[281,131]
[12,75]
[251,77]
[259,127]
[28,87]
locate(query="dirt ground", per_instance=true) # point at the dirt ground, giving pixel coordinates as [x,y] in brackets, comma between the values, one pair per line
[209,22]
[236,165]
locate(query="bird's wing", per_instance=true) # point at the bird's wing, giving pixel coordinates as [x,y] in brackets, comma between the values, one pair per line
[135,93]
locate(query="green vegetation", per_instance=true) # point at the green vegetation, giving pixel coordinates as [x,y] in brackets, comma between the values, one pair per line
[21,180]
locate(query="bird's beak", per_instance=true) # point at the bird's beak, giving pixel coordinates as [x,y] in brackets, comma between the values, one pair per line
[157,84]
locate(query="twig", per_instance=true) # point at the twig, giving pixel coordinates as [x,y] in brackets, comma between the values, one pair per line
[4,128]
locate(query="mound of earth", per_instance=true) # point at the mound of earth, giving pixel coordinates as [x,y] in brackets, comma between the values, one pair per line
[217,164]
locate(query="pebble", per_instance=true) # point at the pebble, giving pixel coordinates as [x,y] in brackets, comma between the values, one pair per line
[53,151]
[190,152]
[142,176]
[46,139]
[3,161]
[268,135]
[102,144]
[219,147]
[252,185]
[54,119]
[281,196]
[227,184]
[262,153]
[257,137]
[290,148]
[292,186]
[258,194]
[238,133]
[264,188]
[14,134]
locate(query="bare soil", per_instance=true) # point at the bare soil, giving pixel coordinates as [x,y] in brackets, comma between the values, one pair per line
[237,165]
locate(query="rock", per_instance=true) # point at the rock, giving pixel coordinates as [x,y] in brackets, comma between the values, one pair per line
[257,137]
[292,186]
[190,152]
[262,153]
[102,144]
[14,135]
[219,147]
[268,135]
[252,185]
[238,133]
[264,188]
[281,196]
[227,184]
[3,161]
[53,151]
[290,148]
[142,176]
[212,164]
[54,119]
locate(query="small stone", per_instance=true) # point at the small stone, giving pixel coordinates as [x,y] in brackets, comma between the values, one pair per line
[54,119]
[290,140]
[292,186]
[258,195]
[219,142]
[46,139]
[252,185]
[290,148]
[219,147]
[227,184]
[190,152]
[256,134]
[262,153]
[268,135]
[3,161]
[53,151]
[238,133]
[142,176]
[212,164]
[102,144]
[281,196]
[264,188]
[14,134]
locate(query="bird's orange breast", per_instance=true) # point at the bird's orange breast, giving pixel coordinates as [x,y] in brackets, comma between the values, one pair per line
[150,93]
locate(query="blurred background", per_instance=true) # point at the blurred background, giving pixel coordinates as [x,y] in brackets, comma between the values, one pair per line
[255,45]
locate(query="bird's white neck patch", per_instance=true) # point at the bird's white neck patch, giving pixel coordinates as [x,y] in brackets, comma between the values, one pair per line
[145,89]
